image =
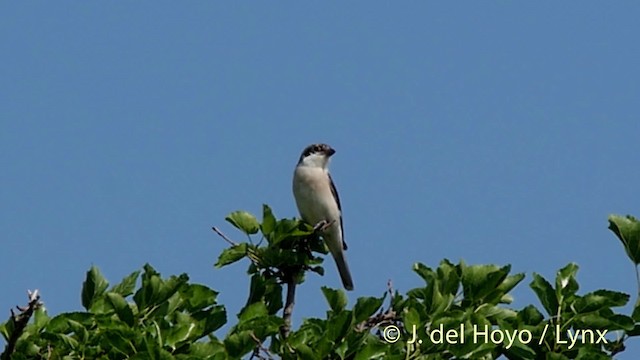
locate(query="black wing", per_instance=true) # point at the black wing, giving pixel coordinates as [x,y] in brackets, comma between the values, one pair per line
[335,196]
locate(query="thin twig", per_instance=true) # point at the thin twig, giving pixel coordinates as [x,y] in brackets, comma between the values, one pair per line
[260,347]
[637,281]
[215,229]
[383,317]
[20,322]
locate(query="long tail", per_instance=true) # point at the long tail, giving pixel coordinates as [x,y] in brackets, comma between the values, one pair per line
[343,269]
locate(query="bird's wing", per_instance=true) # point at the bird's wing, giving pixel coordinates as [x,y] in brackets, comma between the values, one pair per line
[334,192]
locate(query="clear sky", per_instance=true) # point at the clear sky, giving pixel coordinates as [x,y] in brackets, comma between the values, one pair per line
[494,132]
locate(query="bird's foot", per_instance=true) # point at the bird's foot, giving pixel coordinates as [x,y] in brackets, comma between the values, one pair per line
[323,225]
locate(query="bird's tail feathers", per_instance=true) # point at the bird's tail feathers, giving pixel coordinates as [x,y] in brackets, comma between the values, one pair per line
[343,269]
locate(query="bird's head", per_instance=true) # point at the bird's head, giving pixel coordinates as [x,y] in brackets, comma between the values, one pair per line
[316,155]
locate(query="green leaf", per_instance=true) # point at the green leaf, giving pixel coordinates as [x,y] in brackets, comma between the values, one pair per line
[372,350]
[171,286]
[634,332]
[530,316]
[495,312]
[500,294]
[545,293]
[231,255]
[411,318]
[339,325]
[61,323]
[636,312]
[6,329]
[41,318]
[154,290]
[441,303]
[257,288]
[520,351]
[101,306]
[600,299]
[510,282]
[123,310]
[303,351]
[127,285]
[67,340]
[566,284]
[207,350]
[365,307]
[198,296]
[176,302]
[154,352]
[472,349]
[268,220]
[449,277]
[93,287]
[253,311]
[185,328]
[148,292]
[244,221]
[318,270]
[79,330]
[337,299]
[627,229]
[58,324]
[480,280]
[311,331]
[425,272]
[591,353]
[273,296]
[614,322]
[119,340]
[212,318]
[288,230]
[621,322]
[555,356]
[238,344]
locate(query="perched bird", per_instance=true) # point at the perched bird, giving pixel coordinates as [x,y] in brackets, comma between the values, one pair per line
[317,200]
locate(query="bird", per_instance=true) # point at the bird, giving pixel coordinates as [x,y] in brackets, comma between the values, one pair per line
[317,200]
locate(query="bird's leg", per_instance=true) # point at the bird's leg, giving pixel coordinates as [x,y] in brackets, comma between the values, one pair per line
[323,225]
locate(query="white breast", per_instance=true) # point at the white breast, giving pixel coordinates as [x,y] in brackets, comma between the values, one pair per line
[313,195]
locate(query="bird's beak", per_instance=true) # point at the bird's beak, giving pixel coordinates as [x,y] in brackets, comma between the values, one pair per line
[330,152]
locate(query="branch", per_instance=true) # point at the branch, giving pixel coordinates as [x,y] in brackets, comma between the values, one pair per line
[259,347]
[223,236]
[20,322]
[288,307]
[383,317]
[289,279]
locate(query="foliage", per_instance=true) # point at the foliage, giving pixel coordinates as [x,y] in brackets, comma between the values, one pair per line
[163,321]
[461,311]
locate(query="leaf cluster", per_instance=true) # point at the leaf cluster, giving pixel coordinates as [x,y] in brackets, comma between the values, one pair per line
[170,318]
[162,319]
[283,254]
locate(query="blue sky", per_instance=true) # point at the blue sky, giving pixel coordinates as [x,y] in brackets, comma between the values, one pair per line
[491,132]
